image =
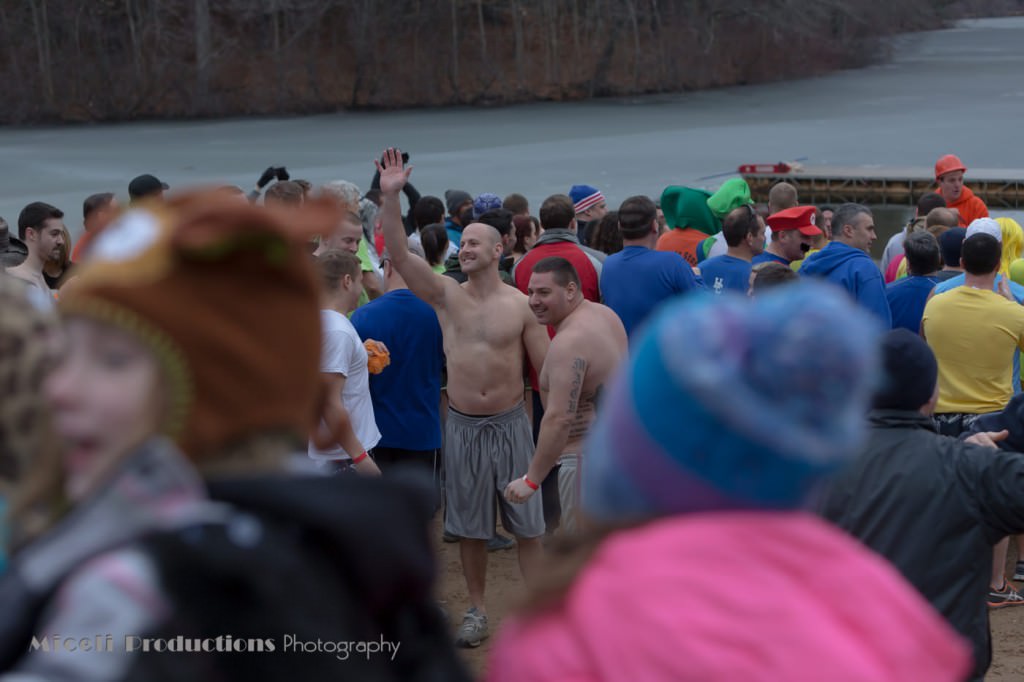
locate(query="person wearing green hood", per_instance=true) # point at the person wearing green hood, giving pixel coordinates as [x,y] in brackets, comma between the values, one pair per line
[733,193]
[687,213]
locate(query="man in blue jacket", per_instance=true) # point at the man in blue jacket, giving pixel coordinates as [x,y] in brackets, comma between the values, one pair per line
[845,261]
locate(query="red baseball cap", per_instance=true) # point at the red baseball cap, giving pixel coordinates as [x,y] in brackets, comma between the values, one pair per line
[796,218]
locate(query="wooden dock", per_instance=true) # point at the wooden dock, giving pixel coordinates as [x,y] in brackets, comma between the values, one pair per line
[880,185]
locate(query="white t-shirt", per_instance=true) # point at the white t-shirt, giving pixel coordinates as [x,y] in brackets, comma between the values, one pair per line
[342,352]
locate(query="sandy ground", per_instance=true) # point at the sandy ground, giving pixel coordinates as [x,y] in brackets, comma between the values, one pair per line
[1008,637]
[504,588]
[1007,645]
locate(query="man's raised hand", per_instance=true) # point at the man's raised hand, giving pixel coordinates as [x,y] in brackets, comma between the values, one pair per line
[393,175]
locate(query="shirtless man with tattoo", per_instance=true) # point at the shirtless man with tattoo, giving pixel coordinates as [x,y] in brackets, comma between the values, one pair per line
[486,325]
[589,344]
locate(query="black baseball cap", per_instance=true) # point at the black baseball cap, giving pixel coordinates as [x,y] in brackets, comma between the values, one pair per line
[144,185]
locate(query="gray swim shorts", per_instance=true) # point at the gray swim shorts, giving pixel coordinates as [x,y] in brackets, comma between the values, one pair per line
[569,492]
[481,456]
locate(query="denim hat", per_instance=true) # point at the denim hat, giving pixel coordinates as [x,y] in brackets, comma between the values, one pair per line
[484,203]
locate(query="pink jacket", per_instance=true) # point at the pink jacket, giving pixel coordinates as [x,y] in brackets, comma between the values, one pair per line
[733,596]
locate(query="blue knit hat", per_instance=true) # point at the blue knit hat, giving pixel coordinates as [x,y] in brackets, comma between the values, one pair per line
[585,197]
[732,403]
[484,203]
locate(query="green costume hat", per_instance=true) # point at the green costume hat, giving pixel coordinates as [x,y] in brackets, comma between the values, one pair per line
[688,207]
[733,193]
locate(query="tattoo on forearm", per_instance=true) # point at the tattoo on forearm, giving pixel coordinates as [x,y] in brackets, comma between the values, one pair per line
[579,368]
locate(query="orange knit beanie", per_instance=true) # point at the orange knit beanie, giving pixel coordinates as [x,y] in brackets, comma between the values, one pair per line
[224,294]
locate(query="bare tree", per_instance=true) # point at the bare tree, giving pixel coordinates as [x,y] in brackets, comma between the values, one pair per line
[455,49]
[42,34]
[203,52]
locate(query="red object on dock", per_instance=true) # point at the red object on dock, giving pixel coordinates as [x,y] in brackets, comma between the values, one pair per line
[769,168]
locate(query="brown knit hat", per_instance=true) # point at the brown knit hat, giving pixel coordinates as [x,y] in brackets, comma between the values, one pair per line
[224,294]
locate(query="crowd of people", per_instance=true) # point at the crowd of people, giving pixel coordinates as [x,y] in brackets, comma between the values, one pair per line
[237,414]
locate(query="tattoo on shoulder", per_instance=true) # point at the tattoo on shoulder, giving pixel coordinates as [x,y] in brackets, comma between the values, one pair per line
[579,369]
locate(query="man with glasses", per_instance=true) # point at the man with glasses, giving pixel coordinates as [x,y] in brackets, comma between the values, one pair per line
[743,231]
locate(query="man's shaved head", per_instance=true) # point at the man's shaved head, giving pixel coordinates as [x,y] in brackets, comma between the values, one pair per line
[483,231]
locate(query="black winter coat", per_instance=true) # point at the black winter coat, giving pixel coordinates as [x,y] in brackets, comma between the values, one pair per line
[934,507]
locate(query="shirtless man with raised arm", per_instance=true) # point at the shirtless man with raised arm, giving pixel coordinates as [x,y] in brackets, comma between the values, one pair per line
[486,326]
[589,344]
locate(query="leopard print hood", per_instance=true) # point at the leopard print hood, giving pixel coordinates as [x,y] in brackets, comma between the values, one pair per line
[26,342]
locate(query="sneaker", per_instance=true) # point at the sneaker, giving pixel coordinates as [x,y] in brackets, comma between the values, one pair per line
[1005,596]
[499,542]
[473,630]
[1018,573]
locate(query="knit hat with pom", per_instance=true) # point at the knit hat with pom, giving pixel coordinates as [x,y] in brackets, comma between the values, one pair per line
[733,403]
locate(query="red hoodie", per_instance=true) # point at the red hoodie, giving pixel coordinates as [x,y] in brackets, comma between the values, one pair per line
[968,205]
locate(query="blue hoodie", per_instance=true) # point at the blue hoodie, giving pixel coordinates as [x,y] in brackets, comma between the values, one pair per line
[454,231]
[853,270]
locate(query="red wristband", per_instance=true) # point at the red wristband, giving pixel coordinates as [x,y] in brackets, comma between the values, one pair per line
[360,458]
[533,486]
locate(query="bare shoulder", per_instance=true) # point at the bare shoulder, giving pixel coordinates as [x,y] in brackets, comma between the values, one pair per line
[606,313]
[513,294]
[519,301]
[22,274]
[569,343]
[606,318]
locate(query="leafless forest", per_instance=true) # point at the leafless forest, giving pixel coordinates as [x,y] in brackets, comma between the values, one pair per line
[95,60]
